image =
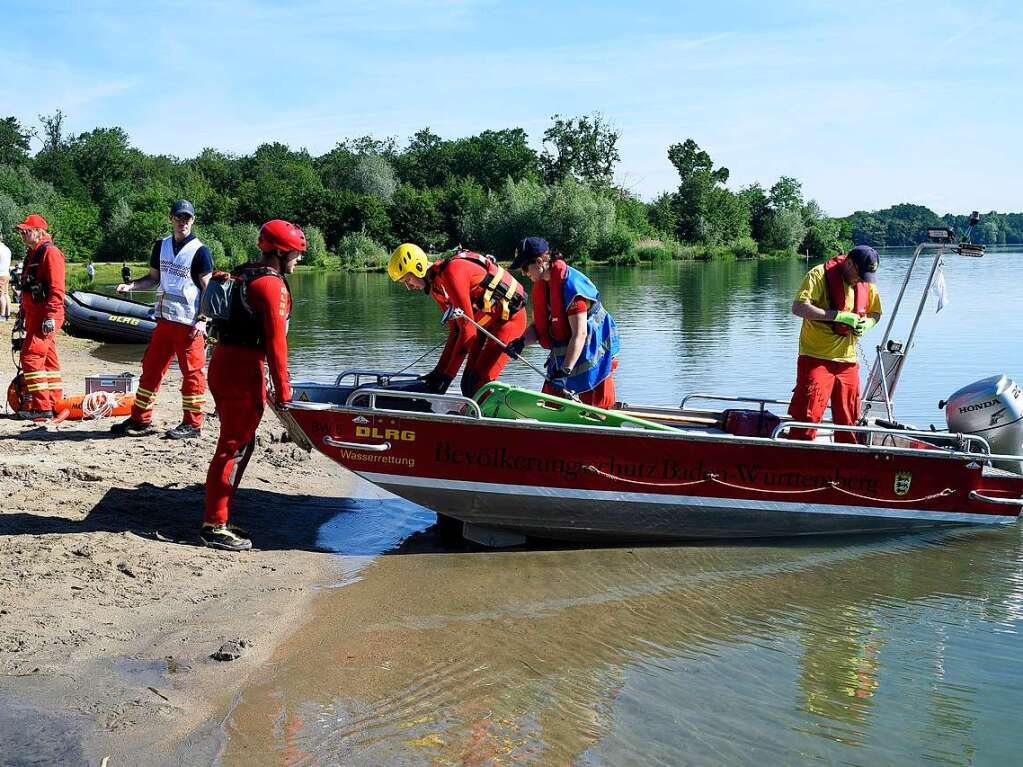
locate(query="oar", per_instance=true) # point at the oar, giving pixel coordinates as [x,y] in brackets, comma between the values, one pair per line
[457,314]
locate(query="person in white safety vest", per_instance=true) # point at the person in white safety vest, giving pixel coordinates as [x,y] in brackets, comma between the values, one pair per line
[180,267]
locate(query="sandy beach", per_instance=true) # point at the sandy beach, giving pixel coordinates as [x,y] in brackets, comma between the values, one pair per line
[110,609]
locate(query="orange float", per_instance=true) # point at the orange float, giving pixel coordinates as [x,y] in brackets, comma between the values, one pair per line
[94,407]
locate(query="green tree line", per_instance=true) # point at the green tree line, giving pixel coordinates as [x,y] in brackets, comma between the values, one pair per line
[907,225]
[107,200]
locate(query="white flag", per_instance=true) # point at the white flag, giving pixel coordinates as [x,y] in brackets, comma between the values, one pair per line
[938,287]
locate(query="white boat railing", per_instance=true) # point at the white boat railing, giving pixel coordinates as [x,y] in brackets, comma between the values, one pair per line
[961,439]
[762,401]
[965,440]
[380,377]
[468,407]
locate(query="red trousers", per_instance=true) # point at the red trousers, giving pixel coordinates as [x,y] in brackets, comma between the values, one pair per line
[170,339]
[239,389]
[602,395]
[819,381]
[39,362]
[485,359]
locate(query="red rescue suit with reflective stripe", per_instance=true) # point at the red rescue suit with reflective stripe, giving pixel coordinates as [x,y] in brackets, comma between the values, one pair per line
[44,266]
[838,297]
[486,292]
[238,386]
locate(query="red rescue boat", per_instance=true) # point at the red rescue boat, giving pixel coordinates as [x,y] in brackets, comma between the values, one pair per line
[512,463]
[583,482]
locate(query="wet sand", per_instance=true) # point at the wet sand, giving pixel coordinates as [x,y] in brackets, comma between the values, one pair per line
[110,608]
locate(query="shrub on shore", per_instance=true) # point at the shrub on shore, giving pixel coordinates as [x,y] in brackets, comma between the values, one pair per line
[575,218]
[360,252]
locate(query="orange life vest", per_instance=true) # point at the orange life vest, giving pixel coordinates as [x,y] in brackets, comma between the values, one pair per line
[838,298]
[497,294]
[549,317]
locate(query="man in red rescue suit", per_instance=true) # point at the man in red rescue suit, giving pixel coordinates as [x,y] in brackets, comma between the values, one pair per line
[838,302]
[180,267]
[42,310]
[482,289]
[256,332]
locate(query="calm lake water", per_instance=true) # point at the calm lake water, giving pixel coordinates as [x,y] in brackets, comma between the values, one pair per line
[843,651]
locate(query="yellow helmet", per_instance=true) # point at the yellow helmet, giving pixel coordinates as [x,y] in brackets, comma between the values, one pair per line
[407,259]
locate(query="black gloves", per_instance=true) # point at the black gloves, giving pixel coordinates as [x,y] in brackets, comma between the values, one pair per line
[514,348]
[436,383]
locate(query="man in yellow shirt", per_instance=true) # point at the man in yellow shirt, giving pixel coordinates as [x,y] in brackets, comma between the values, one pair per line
[838,302]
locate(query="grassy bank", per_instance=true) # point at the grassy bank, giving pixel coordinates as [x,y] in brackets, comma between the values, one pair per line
[368,256]
[107,274]
[365,255]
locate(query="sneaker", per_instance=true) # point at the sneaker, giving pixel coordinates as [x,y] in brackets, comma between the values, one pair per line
[184,431]
[35,415]
[130,427]
[227,537]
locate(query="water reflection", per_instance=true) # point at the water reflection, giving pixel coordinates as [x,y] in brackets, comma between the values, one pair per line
[897,648]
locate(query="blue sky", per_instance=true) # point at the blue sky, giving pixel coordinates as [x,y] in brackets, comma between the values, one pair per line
[868,104]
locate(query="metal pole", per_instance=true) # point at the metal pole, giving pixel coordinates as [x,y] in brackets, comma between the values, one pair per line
[902,291]
[923,298]
[457,313]
[884,385]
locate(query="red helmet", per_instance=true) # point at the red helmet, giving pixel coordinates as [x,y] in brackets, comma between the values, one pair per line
[281,235]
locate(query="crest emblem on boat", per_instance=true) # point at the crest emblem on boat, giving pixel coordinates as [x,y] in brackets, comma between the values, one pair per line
[903,479]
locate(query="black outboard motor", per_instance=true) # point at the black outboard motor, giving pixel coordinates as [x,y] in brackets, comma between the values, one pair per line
[991,408]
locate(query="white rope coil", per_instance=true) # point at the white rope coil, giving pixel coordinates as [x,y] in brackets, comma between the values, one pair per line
[99,404]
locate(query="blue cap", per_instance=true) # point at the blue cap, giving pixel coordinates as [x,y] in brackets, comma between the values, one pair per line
[182,206]
[866,260]
[528,249]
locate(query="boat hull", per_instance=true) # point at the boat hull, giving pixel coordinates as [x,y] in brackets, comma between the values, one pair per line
[605,516]
[595,484]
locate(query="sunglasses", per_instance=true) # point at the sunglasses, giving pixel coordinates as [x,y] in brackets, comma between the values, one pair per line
[184,218]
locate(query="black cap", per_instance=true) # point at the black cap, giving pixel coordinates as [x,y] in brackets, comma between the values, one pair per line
[866,260]
[182,206]
[528,249]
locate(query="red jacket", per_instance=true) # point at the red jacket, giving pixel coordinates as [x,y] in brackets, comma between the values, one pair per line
[45,264]
[459,284]
[270,300]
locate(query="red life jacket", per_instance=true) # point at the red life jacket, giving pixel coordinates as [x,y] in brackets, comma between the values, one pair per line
[549,317]
[497,293]
[838,298]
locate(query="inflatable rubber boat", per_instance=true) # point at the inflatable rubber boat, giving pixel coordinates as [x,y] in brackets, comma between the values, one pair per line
[106,318]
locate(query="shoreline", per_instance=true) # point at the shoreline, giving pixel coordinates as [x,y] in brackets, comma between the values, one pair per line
[110,607]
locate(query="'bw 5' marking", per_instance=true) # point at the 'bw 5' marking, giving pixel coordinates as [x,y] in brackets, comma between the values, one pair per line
[401,436]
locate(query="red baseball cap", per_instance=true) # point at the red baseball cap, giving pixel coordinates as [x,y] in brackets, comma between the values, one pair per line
[33,221]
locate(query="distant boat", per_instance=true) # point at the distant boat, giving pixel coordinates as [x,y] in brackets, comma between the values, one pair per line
[108,319]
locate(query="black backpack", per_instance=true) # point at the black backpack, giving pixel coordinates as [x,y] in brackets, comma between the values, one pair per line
[230,319]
